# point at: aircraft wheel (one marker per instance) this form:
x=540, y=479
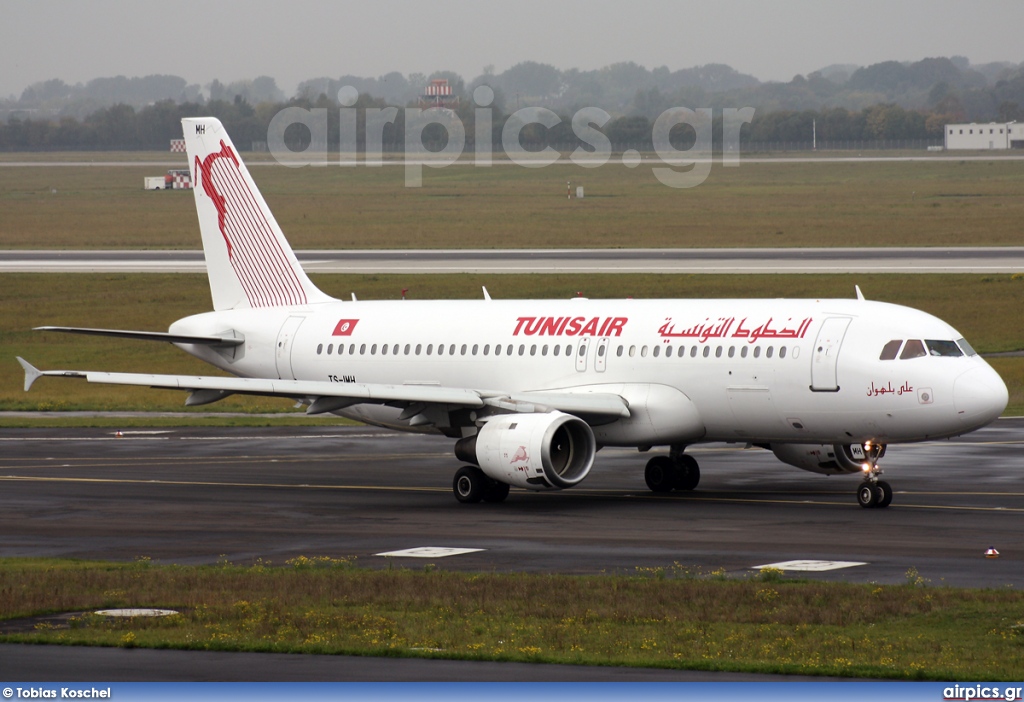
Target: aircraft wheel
x=866, y=495
x=687, y=473
x=469, y=484
x=883, y=494
x=660, y=474
x=495, y=491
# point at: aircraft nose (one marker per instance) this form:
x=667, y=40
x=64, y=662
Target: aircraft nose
x=979, y=396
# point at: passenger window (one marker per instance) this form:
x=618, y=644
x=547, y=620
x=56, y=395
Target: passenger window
x=643, y=351
x=362, y=349
x=407, y=347
x=707, y=351
x=632, y=351
x=768, y=352
x=451, y=350
x=463, y=350
x=757, y=352
x=394, y=350
x=600, y=351
x=508, y=351
x=522, y=349
x=943, y=348
x=430, y=349
x=619, y=350
x=693, y=352
x=373, y=350
x=319, y=349
x=668, y=351
x=914, y=348
x=384, y=350
x=718, y=352
x=656, y=351
x=568, y=350
x=487, y=349
x=890, y=350
x=419, y=347
x=743, y=351
x=497, y=349
x=782, y=352
x=544, y=350
x=440, y=349
x=732, y=351
x=341, y=349
x=533, y=349
x=554, y=351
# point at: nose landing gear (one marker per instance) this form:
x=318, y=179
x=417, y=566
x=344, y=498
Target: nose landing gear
x=873, y=492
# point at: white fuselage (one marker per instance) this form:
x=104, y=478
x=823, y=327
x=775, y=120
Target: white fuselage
x=797, y=371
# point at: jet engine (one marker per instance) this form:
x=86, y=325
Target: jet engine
x=826, y=459
x=550, y=451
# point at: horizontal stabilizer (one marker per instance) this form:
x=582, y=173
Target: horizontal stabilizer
x=151, y=336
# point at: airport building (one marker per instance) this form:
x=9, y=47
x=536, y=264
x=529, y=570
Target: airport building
x=995, y=135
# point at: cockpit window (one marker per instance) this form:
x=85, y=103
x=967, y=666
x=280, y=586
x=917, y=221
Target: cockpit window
x=966, y=348
x=913, y=349
x=890, y=350
x=943, y=348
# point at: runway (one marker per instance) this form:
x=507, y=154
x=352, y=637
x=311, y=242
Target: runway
x=984, y=260
x=202, y=495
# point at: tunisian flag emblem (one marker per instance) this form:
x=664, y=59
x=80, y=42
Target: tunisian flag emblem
x=345, y=327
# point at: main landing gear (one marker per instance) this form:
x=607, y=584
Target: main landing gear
x=472, y=485
x=873, y=492
x=677, y=471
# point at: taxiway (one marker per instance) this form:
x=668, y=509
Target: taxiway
x=204, y=494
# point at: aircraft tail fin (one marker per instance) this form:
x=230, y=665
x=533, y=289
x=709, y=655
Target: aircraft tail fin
x=248, y=259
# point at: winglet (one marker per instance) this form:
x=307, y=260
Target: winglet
x=860, y=295
x=31, y=373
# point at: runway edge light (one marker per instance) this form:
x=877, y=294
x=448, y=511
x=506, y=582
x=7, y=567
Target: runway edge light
x=991, y=553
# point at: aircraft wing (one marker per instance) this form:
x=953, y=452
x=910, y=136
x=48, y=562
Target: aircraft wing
x=325, y=396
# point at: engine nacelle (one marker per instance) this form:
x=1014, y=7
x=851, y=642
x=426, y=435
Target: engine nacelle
x=826, y=459
x=534, y=451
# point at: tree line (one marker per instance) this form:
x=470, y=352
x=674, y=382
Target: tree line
x=123, y=127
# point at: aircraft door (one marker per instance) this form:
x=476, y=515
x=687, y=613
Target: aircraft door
x=826, y=354
x=581, y=354
x=601, y=356
x=284, y=347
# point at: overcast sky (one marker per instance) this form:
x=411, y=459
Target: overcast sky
x=299, y=39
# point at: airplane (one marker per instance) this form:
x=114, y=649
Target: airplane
x=531, y=390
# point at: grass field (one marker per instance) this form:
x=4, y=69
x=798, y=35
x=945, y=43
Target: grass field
x=152, y=302
x=929, y=203
x=673, y=617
